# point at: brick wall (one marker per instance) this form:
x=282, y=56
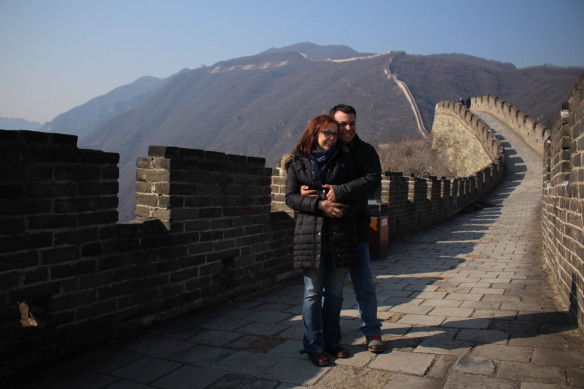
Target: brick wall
x=205, y=234
x=563, y=201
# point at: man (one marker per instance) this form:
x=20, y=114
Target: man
x=369, y=171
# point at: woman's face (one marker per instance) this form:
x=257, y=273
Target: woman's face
x=327, y=138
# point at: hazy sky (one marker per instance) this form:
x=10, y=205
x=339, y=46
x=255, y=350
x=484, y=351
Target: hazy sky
x=58, y=54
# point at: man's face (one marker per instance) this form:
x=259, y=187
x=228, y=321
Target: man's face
x=347, y=126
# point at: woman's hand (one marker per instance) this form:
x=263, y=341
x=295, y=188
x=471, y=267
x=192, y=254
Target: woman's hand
x=330, y=193
x=306, y=191
x=331, y=209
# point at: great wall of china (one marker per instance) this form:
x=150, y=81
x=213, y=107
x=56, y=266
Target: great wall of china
x=211, y=227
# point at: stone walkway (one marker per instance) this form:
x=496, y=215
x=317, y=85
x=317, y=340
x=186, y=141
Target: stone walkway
x=467, y=304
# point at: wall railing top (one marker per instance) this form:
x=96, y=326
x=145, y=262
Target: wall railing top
x=535, y=134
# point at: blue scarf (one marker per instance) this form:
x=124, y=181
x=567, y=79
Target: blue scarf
x=319, y=159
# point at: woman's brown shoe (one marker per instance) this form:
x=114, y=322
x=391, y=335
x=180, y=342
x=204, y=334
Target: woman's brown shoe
x=319, y=359
x=338, y=352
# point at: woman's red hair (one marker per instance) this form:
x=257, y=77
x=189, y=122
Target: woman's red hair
x=309, y=138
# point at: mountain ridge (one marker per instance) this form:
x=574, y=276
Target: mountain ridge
x=19, y=124
x=258, y=105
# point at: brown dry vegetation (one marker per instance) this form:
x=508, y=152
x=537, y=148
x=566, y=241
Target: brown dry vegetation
x=413, y=157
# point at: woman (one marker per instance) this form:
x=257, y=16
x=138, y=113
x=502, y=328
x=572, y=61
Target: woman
x=324, y=247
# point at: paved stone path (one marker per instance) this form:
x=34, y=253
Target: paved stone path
x=464, y=305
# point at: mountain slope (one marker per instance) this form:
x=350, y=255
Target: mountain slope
x=19, y=124
x=254, y=106
x=86, y=117
x=537, y=91
x=258, y=105
x=318, y=52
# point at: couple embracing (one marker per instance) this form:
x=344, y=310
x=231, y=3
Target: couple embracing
x=330, y=175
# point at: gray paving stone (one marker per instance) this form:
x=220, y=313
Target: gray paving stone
x=441, y=367
x=204, y=356
x=481, y=336
x=349, y=377
x=464, y=297
x=163, y=348
x=401, y=381
x=293, y=332
x=411, y=308
x=535, y=385
x=403, y=362
x=493, y=313
x=72, y=380
x=289, y=348
x=359, y=357
x=557, y=357
x=468, y=364
x=442, y=303
x=188, y=377
x=215, y=338
x=123, y=384
x=503, y=352
x=268, y=316
x=294, y=371
x=487, y=291
x=225, y=325
x=449, y=311
x=463, y=381
x=145, y=370
x=422, y=320
x=245, y=362
x=262, y=328
x=552, y=341
x=233, y=380
x=109, y=359
x=443, y=346
x=436, y=333
x=463, y=322
x=530, y=372
x=575, y=376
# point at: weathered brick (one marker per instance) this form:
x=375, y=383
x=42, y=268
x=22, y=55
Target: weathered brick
x=26, y=241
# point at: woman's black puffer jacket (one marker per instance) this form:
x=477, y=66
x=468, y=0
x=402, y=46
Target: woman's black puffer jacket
x=311, y=224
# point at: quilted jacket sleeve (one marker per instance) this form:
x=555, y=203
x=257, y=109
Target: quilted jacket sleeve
x=294, y=200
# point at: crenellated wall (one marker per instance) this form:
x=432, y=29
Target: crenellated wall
x=210, y=227
x=534, y=133
x=206, y=235
x=563, y=201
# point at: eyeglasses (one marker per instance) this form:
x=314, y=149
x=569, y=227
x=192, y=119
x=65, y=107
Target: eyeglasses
x=330, y=134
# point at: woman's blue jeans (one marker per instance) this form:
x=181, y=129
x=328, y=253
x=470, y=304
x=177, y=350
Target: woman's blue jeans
x=321, y=308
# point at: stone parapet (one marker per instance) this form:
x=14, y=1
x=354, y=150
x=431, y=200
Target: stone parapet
x=204, y=234
x=535, y=134
x=563, y=201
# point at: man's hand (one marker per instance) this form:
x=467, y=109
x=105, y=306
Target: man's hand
x=331, y=209
x=331, y=193
x=306, y=191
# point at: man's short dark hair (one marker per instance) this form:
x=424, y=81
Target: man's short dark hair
x=343, y=108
